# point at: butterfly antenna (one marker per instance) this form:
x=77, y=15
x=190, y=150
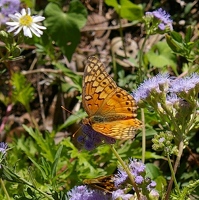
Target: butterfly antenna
x=71, y=113
x=66, y=109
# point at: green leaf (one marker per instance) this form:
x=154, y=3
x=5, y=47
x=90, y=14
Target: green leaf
x=126, y=9
x=176, y=36
x=64, y=28
x=188, y=35
x=160, y=55
x=55, y=163
x=44, y=143
x=72, y=119
x=22, y=90
x=43, y=173
x=77, y=79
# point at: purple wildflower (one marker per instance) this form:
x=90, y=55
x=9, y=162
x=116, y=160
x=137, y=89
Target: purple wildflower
x=164, y=17
x=154, y=194
x=158, y=84
x=83, y=193
x=120, y=177
x=9, y=7
x=185, y=84
x=137, y=167
x=91, y=138
x=151, y=185
x=172, y=99
x=3, y=147
x=162, y=139
x=120, y=194
x=139, y=179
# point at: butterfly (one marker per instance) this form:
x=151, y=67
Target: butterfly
x=111, y=110
x=104, y=183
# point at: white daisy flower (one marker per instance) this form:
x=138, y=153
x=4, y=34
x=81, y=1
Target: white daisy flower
x=26, y=22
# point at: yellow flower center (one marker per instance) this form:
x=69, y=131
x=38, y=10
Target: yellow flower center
x=26, y=20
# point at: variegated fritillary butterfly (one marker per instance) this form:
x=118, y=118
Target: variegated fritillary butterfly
x=111, y=110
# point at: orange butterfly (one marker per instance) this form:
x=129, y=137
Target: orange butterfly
x=111, y=110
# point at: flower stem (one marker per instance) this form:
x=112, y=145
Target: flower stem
x=173, y=171
x=143, y=136
x=126, y=168
x=4, y=189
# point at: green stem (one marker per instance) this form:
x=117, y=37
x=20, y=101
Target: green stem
x=141, y=73
x=143, y=136
x=131, y=177
x=122, y=36
x=173, y=170
x=4, y=189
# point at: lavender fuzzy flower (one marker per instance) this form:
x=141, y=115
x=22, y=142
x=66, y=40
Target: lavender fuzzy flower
x=8, y=7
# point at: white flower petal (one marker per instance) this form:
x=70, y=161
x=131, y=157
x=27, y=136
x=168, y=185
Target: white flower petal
x=17, y=31
x=38, y=18
x=27, y=32
x=36, y=32
x=12, y=28
x=23, y=12
x=38, y=26
x=29, y=12
x=12, y=23
x=14, y=17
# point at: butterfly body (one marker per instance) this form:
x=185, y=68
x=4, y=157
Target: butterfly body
x=111, y=110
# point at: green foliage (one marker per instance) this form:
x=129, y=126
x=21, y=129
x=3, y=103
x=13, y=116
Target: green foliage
x=126, y=9
x=64, y=28
x=183, y=46
x=160, y=56
x=11, y=48
x=23, y=92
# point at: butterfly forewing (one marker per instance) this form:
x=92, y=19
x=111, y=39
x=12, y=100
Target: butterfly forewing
x=111, y=110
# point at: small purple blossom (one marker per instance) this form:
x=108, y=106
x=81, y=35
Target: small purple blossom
x=137, y=167
x=164, y=17
x=91, y=138
x=83, y=193
x=158, y=84
x=172, y=99
x=154, y=194
x=121, y=194
x=120, y=177
x=185, y=84
x=151, y=185
x=8, y=7
x=139, y=179
x=3, y=147
x=162, y=139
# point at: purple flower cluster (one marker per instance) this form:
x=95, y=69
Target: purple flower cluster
x=170, y=88
x=120, y=194
x=83, y=193
x=3, y=147
x=91, y=138
x=185, y=84
x=8, y=7
x=138, y=170
x=157, y=84
x=164, y=18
